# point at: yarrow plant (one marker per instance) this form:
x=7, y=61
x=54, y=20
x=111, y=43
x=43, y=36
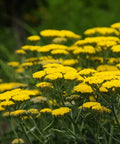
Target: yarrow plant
x=67, y=90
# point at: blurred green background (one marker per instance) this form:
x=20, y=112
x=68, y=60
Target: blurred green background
x=21, y=18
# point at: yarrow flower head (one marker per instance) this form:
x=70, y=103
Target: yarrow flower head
x=107, y=68
x=2, y=109
x=83, y=88
x=94, y=106
x=46, y=110
x=6, y=103
x=20, y=51
x=59, y=33
x=21, y=97
x=59, y=40
x=34, y=38
x=86, y=72
x=54, y=76
x=39, y=74
x=13, y=64
x=61, y=111
x=116, y=48
x=44, y=85
x=17, y=141
x=70, y=62
x=32, y=111
x=18, y=113
x=10, y=86
x=59, y=51
x=101, y=31
x=115, y=83
x=71, y=75
x=38, y=99
x=116, y=25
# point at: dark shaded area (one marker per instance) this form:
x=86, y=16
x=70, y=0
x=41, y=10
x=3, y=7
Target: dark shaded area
x=13, y=13
x=21, y=18
x=15, y=10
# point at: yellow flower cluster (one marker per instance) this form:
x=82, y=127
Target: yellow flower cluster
x=59, y=40
x=38, y=99
x=61, y=111
x=83, y=88
x=113, y=60
x=46, y=110
x=85, y=49
x=18, y=113
x=106, y=44
x=25, y=113
x=95, y=106
x=61, y=33
x=44, y=85
x=54, y=72
x=69, y=62
x=52, y=48
x=6, y=103
x=105, y=80
x=72, y=76
x=86, y=72
x=13, y=64
x=116, y=48
x=54, y=76
x=114, y=83
x=116, y=25
x=17, y=141
x=20, y=51
x=17, y=95
x=20, y=69
x=101, y=31
x=10, y=85
x=32, y=111
x=96, y=40
x=34, y=38
x=59, y=51
x=39, y=74
x=107, y=68
x=20, y=97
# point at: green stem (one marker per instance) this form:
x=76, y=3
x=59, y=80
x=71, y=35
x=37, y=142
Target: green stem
x=97, y=131
x=111, y=134
x=46, y=128
x=50, y=105
x=108, y=132
x=73, y=133
x=24, y=129
x=13, y=128
x=96, y=91
x=115, y=115
x=74, y=124
x=59, y=92
x=38, y=129
x=78, y=115
x=35, y=136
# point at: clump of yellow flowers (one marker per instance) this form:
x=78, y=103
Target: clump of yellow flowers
x=65, y=93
